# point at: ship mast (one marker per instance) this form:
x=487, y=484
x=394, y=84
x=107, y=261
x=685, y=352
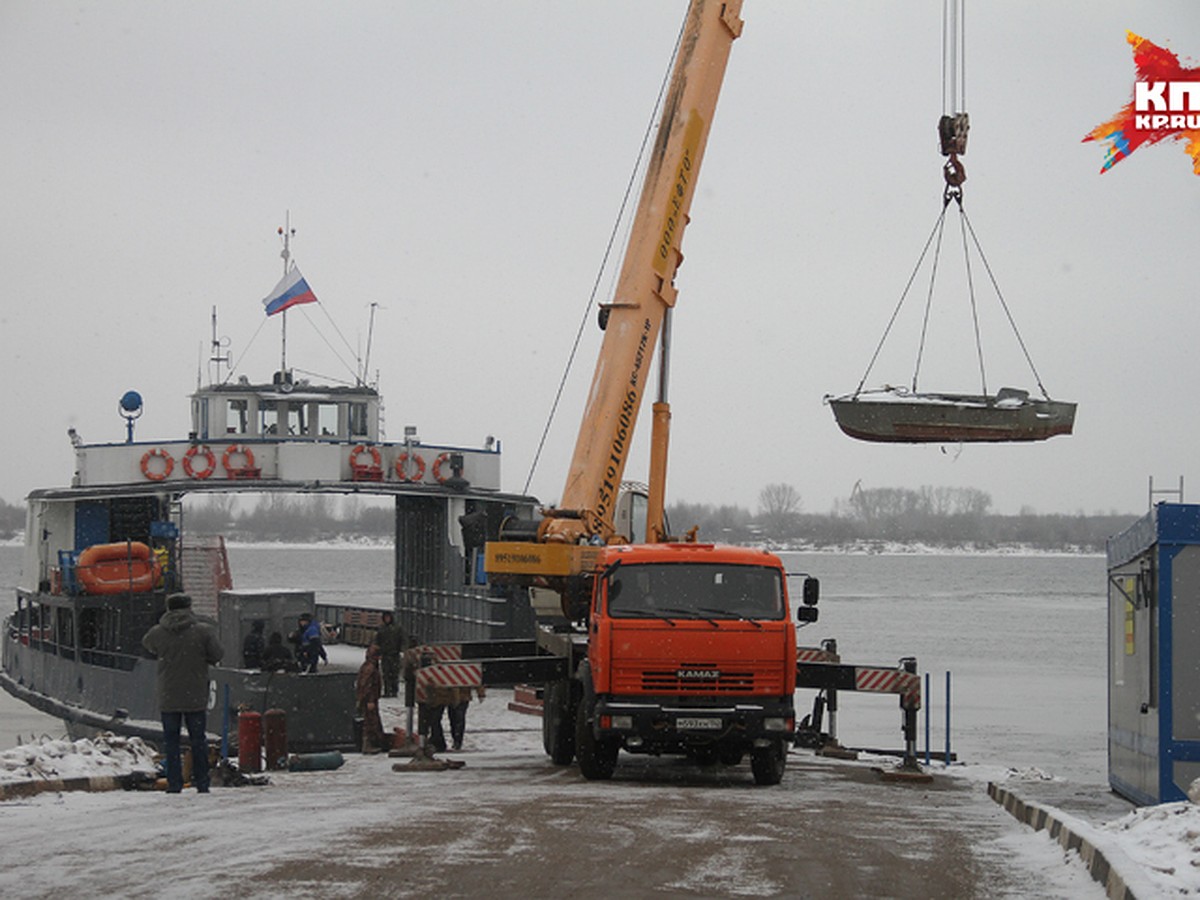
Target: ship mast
x=286, y=232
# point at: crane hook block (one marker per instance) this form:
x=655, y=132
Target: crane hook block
x=952, y=132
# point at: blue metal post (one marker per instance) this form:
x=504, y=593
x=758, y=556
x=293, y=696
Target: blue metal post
x=947, y=718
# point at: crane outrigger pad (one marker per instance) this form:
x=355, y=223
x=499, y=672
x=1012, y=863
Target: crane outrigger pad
x=897, y=415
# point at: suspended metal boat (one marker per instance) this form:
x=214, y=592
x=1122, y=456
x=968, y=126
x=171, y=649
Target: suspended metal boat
x=906, y=415
x=897, y=415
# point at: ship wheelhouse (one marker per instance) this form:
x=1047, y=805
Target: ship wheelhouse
x=285, y=410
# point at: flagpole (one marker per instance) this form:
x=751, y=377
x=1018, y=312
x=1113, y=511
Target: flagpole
x=287, y=231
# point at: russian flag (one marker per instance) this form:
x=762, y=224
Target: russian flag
x=292, y=290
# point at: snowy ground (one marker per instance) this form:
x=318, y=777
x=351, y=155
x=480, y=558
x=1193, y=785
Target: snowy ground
x=365, y=828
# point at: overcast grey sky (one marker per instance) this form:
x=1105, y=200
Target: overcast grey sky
x=461, y=164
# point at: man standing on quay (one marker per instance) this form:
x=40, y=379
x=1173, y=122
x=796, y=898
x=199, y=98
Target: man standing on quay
x=185, y=648
x=390, y=641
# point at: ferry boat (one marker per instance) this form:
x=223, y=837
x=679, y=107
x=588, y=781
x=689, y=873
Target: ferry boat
x=102, y=555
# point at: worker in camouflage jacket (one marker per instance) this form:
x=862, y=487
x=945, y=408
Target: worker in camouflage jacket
x=389, y=638
x=367, y=688
x=185, y=647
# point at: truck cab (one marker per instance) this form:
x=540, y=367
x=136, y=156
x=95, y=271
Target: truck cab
x=691, y=649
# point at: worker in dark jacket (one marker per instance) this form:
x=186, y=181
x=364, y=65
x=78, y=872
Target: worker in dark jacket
x=254, y=645
x=185, y=648
x=278, y=658
x=389, y=638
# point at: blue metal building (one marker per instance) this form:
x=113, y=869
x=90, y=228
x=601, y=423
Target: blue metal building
x=1154, y=655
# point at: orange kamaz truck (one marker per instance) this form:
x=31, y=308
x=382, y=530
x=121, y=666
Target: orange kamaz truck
x=690, y=649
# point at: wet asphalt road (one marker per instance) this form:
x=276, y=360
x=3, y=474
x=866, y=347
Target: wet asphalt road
x=512, y=824
x=662, y=828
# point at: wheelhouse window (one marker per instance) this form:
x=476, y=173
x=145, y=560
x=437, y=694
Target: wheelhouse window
x=326, y=419
x=358, y=420
x=237, y=417
x=268, y=418
x=296, y=420
x=695, y=590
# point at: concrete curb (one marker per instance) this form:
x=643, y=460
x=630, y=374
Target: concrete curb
x=1041, y=819
x=14, y=790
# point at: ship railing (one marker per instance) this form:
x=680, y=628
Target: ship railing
x=27, y=625
x=431, y=614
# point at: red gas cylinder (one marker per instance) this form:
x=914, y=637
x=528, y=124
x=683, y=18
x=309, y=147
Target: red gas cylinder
x=249, y=741
x=275, y=738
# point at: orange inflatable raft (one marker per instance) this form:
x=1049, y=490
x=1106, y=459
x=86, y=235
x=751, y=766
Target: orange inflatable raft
x=130, y=566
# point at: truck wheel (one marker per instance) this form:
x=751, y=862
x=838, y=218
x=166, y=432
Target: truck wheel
x=597, y=758
x=768, y=763
x=558, y=722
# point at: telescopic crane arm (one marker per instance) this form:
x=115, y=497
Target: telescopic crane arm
x=634, y=319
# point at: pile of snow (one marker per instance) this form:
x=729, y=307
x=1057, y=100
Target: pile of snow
x=108, y=754
x=1164, y=841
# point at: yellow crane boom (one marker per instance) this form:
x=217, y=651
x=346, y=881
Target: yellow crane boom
x=634, y=318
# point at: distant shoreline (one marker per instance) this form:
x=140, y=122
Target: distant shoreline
x=852, y=548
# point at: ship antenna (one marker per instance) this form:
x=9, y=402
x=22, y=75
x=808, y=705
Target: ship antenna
x=366, y=366
x=220, y=353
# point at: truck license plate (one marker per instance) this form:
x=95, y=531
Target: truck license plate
x=697, y=724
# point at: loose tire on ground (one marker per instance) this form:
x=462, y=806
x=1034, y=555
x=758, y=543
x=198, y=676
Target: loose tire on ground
x=768, y=763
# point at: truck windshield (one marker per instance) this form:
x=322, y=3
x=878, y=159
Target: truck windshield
x=695, y=590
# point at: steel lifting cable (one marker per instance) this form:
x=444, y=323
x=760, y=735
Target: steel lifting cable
x=952, y=130
x=966, y=228
x=1004, y=305
x=954, y=101
x=903, y=296
x=971, y=293
x=662, y=90
x=937, y=255
x=954, y=56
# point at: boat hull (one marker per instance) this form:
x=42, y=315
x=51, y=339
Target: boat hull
x=952, y=418
x=318, y=708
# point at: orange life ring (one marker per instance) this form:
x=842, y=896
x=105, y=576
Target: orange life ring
x=209, y=457
x=157, y=453
x=402, y=466
x=230, y=451
x=437, y=468
x=361, y=449
x=130, y=566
